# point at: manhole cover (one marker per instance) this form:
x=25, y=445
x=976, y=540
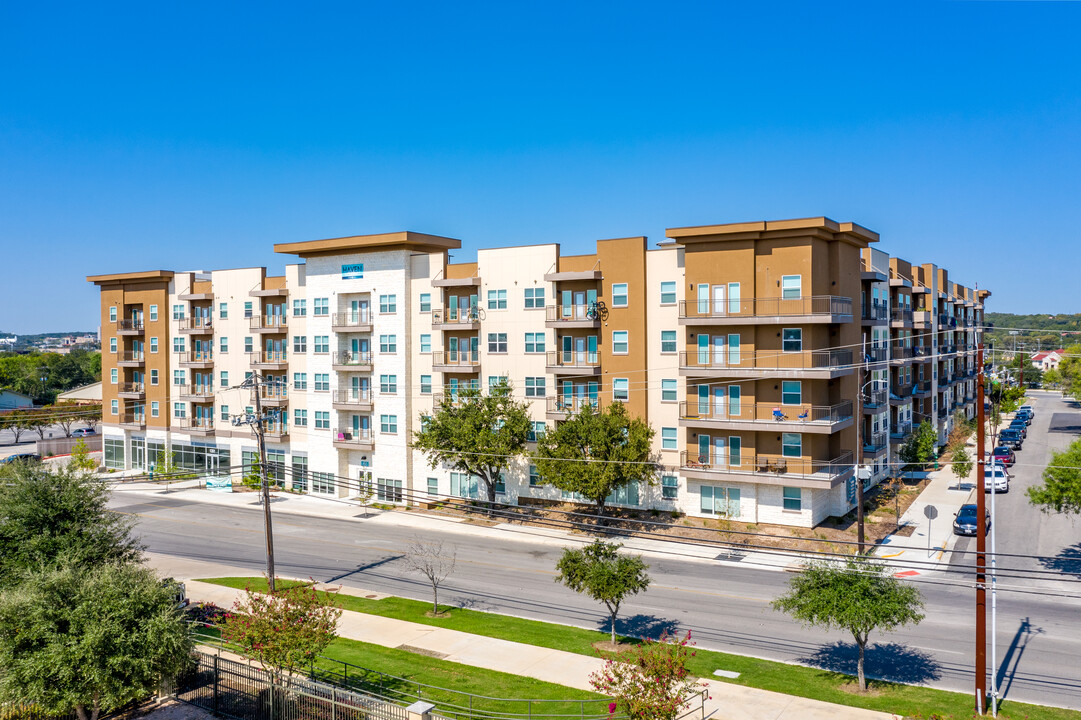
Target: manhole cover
x=371, y=596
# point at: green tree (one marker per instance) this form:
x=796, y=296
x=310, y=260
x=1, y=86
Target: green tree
x=649, y=681
x=615, y=447
x=961, y=464
x=919, y=446
x=859, y=597
x=1061, y=489
x=476, y=434
x=603, y=573
x=285, y=630
x=80, y=458
x=55, y=518
x=18, y=421
x=39, y=420
x=89, y=639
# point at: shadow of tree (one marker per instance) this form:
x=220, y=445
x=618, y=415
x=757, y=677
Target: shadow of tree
x=883, y=661
x=1068, y=560
x=640, y=626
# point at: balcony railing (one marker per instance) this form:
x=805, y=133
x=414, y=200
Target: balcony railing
x=800, y=467
x=807, y=306
x=268, y=322
x=922, y=387
x=134, y=419
x=273, y=393
x=357, y=396
x=268, y=357
x=586, y=313
x=455, y=316
x=901, y=315
x=573, y=359
x=722, y=359
x=275, y=430
x=921, y=351
x=901, y=352
x=900, y=392
x=132, y=388
x=350, y=438
x=203, y=424
x=136, y=357
x=875, y=398
x=197, y=323
x=351, y=359
x=196, y=357
x=130, y=326
x=572, y=404
x=203, y=390
x=456, y=358
x=875, y=312
x=875, y=441
x=766, y=412
x=875, y=354
x=358, y=321
x=899, y=431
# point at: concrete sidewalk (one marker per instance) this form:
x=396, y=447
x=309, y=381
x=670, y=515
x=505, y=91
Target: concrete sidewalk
x=727, y=701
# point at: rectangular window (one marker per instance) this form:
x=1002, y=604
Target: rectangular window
x=153, y=344
x=791, y=445
x=114, y=407
x=791, y=392
x=719, y=501
x=668, y=438
x=112, y=345
x=114, y=376
x=178, y=344
x=154, y=408
x=668, y=390
x=300, y=343
x=791, y=286
x=619, y=295
x=534, y=477
x=388, y=384
x=433, y=487
x=224, y=410
x=112, y=313
x=178, y=377
x=425, y=302
x=223, y=311
x=249, y=346
x=154, y=377
x=321, y=307
x=537, y=431
x=535, y=386
x=425, y=384
x=322, y=382
x=425, y=342
x=388, y=490
x=668, y=341
x=388, y=424
x=322, y=420
x=534, y=342
x=114, y=453
x=300, y=381
x=620, y=342
x=534, y=298
x=668, y=293
x=153, y=312
x=497, y=299
x=300, y=473
x=180, y=410
x=178, y=312
x=620, y=389
x=388, y=303
x=247, y=309
x=323, y=482
x=321, y=343
x=300, y=417
x=792, y=340
x=223, y=343
x=223, y=377
x=497, y=342
x=792, y=499
x=300, y=309
x=388, y=343
x=669, y=487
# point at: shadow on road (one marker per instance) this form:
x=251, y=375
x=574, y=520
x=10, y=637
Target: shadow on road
x=1068, y=560
x=892, y=662
x=361, y=568
x=1025, y=633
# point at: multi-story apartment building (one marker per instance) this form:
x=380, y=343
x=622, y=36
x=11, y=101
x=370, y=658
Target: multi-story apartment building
x=769, y=358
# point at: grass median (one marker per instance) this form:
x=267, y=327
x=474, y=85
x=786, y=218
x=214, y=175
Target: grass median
x=907, y=700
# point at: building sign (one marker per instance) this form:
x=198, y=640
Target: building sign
x=353, y=272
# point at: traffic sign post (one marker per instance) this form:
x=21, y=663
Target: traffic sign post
x=930, y=512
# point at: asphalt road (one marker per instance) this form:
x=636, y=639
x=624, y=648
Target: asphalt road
x=726, y=606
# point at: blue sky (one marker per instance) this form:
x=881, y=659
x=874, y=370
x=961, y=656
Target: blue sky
x=196, y=135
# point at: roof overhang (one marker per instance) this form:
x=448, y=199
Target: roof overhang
x=821, y=226
x=132, y=277
x=361, y=243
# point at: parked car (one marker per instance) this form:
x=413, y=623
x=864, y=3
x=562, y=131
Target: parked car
x=1019, y=426
x=1026, y=416
x=1011, y=439
x=1027, y=408
x=20, y=457
x=965, y=520
x=1004, y=456
x=83, y=432
x=995, y=476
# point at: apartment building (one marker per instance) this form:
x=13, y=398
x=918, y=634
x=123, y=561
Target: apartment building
x=769, y=357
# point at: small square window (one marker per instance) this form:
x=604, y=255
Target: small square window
x=112, y=345
x=321, y=343
x=388, y=304
x=322, y=382
x=791, y=287
x=619, y=295
x=534, y=298
x=668, y=438
x=388, y=384
x=668, y=292
x=388, y=424
x=300, y=343
x=535, y=386
x=534, y=476
x=792, y=498
x=153, y=377
x=534, y=342
x=792, y=340
x=249, y=345
x=300, y=308
x=668, y=341
x=114, y=407
x=668, y=390
x=322, y=420
x=300, y=381
x=300, y=417
x=321, y=307
x=497, y=299
x=497, y=342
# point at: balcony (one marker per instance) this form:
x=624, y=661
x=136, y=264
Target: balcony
x=133, y=420
x=922, y=353
x=456, y=361
x=358, y=400
x=875, y=314
x=129, y=327
x=559, y=407
x=269, y=360
x=455, y=319
x=572, y=316
x=202, y=393
x=874, y=355
x=900, y=394
x=275, y=324
x=900, y=317
x=921, y=318
x=921, y=389
x=349, y=439
x=272, y=292
x=273, y=395
x=809, y=364
x=199, y=325
x=573, y=276
x=196, y=425
x=900, y=431
x=573, y=363
x=130, y=359
x=823, y=419
x=875, y=443
x=900, y=354
x=196, y=359
x=356, y=322
x=766, y=311
x=131, y=390
x=875, y=400
x=351, y=362
x=768, y=469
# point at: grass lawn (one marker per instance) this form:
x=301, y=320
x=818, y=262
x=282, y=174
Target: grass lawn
x=907, y=700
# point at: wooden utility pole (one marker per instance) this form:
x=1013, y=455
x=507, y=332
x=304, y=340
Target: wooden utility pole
x=255, y=382
x=981, y=544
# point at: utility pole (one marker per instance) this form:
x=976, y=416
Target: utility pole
x=981, y=545
x=255, y=382
x=859, y=444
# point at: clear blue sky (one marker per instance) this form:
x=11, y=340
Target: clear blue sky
x=196, y=135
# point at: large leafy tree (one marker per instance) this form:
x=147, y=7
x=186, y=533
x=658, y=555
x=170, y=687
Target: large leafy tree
x=859, y=597
x=1061, y=489
x=603, y=573
x=51, y=519
x=89, y=640
x=594, y=453
x=476, y=433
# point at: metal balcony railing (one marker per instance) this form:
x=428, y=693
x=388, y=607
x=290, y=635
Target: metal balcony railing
x=901, y=352
x=898, y=431
x=767, y=464
x=573, y=359
x=875, y=442
x=453, y=315
x=196, y=356
x=462, y=358
x=876, y=398
x=197, y=424
x=132, y=325
x=132, y=418
x=901, y=315
x=132, y=387
x=198, y=390
x=268, y=322
x=268, y=357
x=875, y=354
x=768, y=412
x=810, y=305
x=571, y=404
x=197, y=322
x=572, y=313
x=726, y=358
x=358, y=396
x=875, y=312
x=353, y=436
x=273, y=392
x=351, y=319
x=131, y=356
x=348, y=358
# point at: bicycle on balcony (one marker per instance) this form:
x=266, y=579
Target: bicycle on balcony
x=597, y=311
x=475, y=313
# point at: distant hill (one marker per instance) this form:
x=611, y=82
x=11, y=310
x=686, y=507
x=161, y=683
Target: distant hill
x=1044, y=331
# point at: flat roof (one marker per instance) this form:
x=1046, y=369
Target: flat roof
x=766, y=226
x=333, y=246
x=131, y=277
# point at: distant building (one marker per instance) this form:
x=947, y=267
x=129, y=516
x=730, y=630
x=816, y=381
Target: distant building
x=1048, y=359
x=86, y=394
x=9, y=342
x=11, y=400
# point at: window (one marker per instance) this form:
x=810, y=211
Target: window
x=626, y=495
x=114, y=407
x=300, y=472
x=790, y=287
x=388, y=384
x=433, y=486
x=537, y=431
x=224, y=410
x=114, y=453
x=388, y=490
x=497, y=342
x=321, y=307
x=719, y=501
x=323, y=482
x=178, y=377
x=534, y=298
x=791, y=444
x=791, y=392
x=668, y=438
x=247, y=309
x=425, y=342
x=669, y=487
x=223, y=343
x=154, y=408
x=322, y=420
x=112, y=345
x=620, y=342
x=248, y=346
x=620, y=389
x=534, y=477
x=388, y=303
x=497, y=299
x=534, y=342
x=668, y=390
x=322, y=382
x=300, y=309
x=497, y=383
x=534, y=386
x=425, y=384
x=668, y=341
x=180, y=410
x=464, y=485
x=321, y=343
x=300, y=343
x=619, y=295
x=178, y=312
x=223, y=311
x=668, y=293
x=388, y=343
x=300, y=417
x=792, y=340
x=178, y=344
x=112, y=313
x=388, y=423
x=154, y=377
x=114, y=376
x=300, y=381
x=791, y=499
x=426, y=306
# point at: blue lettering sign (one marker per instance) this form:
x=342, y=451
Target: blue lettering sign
x=353, y=272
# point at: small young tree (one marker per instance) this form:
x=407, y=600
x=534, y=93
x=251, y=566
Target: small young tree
x=1061, y=489
x=961, y=464
x=859, y=596
x=919, y=447
x=285, y=630
x=39, y=421
x=80, y=458
x=433, y=561
x=606, y=575
x=65, y=418
x=649, y=681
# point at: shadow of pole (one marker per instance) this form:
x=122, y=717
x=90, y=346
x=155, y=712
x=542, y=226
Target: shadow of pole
x=1025, y=633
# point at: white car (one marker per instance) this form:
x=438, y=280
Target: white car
x=83, y=432
x=995, y=476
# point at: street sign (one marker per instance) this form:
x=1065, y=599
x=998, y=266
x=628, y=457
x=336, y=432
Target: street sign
x=930, y=512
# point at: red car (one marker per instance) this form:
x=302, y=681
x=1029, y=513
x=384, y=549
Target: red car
x=1004, y=455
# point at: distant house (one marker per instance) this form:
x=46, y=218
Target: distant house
x=1048, y=359
x=11, y=400
x=86, y=394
